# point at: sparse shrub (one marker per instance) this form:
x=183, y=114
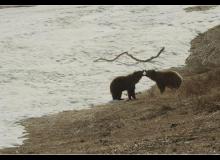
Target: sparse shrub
x=192, y=88
x=206, y=103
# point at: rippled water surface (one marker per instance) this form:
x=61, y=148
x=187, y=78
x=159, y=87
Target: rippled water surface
x=47, y=53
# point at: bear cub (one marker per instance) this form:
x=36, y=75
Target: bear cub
x=122, y=83
x=163, y=79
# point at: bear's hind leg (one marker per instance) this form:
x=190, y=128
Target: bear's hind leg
x=117, y=96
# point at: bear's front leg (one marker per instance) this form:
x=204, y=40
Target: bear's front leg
x=131, y=93
x=161, y=87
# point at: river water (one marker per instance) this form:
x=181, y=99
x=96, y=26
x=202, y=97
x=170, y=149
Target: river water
x=47, y=54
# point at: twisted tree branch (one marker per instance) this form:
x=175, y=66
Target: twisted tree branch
x=131, y=56
x=110, y=60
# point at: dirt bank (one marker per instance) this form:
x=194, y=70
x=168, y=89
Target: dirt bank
x=153, y=124
x=199, y=8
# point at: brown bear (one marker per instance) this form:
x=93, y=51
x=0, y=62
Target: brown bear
x=122, y=83
x=163, y=79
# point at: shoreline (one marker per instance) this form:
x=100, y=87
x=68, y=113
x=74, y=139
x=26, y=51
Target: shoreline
x=153, y=124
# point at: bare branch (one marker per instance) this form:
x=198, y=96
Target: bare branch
x=149, y=59
x=110, y=60
x=131, y=56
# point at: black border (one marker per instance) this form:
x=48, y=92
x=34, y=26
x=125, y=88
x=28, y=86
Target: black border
x=104, y=2
x=109, y=2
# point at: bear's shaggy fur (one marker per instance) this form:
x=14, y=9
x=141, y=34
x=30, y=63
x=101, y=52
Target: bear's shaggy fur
x=163, y=79
x=121, y=83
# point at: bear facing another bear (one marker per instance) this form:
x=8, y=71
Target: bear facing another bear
x=163, y=79
x=122, y=83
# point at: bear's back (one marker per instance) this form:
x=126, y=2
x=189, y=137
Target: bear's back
x=171, y=79
x=119, y=83
x=122, y=83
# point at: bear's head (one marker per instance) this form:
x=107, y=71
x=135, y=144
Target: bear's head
x=137, y=75
x=150, y=74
